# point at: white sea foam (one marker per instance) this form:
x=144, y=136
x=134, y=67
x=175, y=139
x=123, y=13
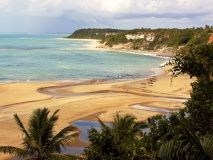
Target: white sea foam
x=157, y=71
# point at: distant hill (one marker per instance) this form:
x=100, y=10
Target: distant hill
x=147, y=39
x=94, y=33
x=153, y=39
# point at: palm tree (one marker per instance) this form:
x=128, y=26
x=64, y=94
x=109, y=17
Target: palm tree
x=125, y=127
x=39, y=141
x=120, y=140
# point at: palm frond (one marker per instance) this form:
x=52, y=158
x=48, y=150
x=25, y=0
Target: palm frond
x=190, y=133
x=37, y=124
x=153, y=155
x=138, y=126
x=32, y=147
x=207, y=144
x=14, y=151
x=62, y=138
x=21, y=126
x=63, y=142
x=103, y=125
x=41, y=127
x=54, y=116
x=39, y=139
x=48, y=131
x=166, y=150
x=52, y=120
x=58, y=156
x=141, y=124
x=126, y=127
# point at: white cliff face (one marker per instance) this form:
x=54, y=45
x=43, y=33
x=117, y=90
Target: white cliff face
x=110, y=34
x=148, y=37
x=141, y=46
x=135, y=36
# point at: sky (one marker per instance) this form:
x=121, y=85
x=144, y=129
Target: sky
x=65, y=16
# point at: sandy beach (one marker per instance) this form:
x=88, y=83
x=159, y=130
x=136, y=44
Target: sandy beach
x=95, y=44
x=84, y=100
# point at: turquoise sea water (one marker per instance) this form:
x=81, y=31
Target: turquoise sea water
x=26, y=57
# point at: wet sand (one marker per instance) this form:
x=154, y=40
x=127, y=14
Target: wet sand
x=85, y=100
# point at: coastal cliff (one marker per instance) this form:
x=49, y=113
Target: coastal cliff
x=158, y=41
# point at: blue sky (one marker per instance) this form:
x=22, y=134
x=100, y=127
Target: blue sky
x=65, y=16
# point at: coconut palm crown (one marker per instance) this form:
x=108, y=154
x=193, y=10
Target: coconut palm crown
x=125, y=126
x=117, y=140
x=40, y=141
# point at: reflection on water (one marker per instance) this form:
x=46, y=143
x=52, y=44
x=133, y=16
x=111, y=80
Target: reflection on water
x=84, y=125
x=166, y=112
x=77, y=151
x=176, y=99
x=153, y=109
x=55, y=92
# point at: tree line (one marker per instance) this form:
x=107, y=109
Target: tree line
x=162, y=37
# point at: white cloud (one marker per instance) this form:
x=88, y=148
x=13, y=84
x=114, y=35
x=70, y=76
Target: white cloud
x=94, y=12
x=106, y=7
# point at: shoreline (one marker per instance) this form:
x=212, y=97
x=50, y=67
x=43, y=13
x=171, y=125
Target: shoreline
x=157, y=72
x=97, y=97
x=96, y=45
x=83, y=100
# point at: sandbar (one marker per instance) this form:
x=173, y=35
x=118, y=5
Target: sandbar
x=87, y=100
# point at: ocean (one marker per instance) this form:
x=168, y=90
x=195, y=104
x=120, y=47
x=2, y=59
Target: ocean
x=47, y=57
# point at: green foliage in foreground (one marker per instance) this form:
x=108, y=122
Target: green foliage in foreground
x=197, y=61
x=187, y=135
x=188, y=146
x=193, y=136
x=120, y=141
x=40, y=141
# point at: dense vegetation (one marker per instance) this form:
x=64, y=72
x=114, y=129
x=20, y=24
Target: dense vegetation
x=119, y=141
x=94, y=33
x=161, y=37
x=187, y=135
x=148, y=39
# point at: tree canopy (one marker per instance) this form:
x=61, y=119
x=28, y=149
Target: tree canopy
x=187, y=135
x=193, y=136
x=119, y=141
